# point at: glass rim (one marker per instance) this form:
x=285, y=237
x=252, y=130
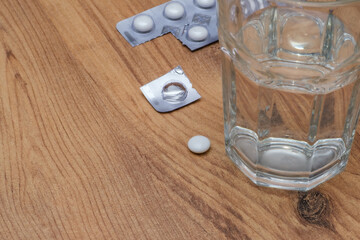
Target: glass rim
x=319, y=3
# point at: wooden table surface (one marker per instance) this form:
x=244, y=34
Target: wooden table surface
x=83, y=155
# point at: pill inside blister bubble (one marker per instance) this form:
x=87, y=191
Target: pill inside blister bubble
x=198, y=33
x=205, y=3
x=173, y=17
x=174, y=11
x=143, y=23
x=174, y=92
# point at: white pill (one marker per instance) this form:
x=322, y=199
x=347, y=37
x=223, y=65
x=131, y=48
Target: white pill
x=199, y=144
x=198, y=33
x=143, y=23
x=174, y=11
x=205, y=3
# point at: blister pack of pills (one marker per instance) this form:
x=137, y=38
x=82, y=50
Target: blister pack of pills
x=193, y=22
x=171, y=91
x=201, y=28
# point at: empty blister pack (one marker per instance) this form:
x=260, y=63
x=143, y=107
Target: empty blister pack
x=193, y=22
x=170, y=92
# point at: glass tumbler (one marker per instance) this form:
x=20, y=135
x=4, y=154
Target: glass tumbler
x=291, y=95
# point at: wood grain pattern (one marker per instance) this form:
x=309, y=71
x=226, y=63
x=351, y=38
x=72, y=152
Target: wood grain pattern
x=83, y=155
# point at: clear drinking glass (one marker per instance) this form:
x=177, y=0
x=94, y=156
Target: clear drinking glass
x=290, y=88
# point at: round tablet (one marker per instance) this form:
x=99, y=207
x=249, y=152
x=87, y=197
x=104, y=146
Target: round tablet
x=143, y=23
x=199, y=144
x=198, y=33
x=174, y=11
x=205, y=3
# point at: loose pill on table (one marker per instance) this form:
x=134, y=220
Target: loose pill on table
x=143, y=23
x=205, y=3
x=174, y=11
x=199, y=144
x=198, y=33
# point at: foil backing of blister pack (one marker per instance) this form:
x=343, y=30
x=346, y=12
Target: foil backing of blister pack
x=171, y=91
x=194, y=16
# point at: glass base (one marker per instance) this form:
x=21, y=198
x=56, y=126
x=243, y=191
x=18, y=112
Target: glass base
x=284, y=182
